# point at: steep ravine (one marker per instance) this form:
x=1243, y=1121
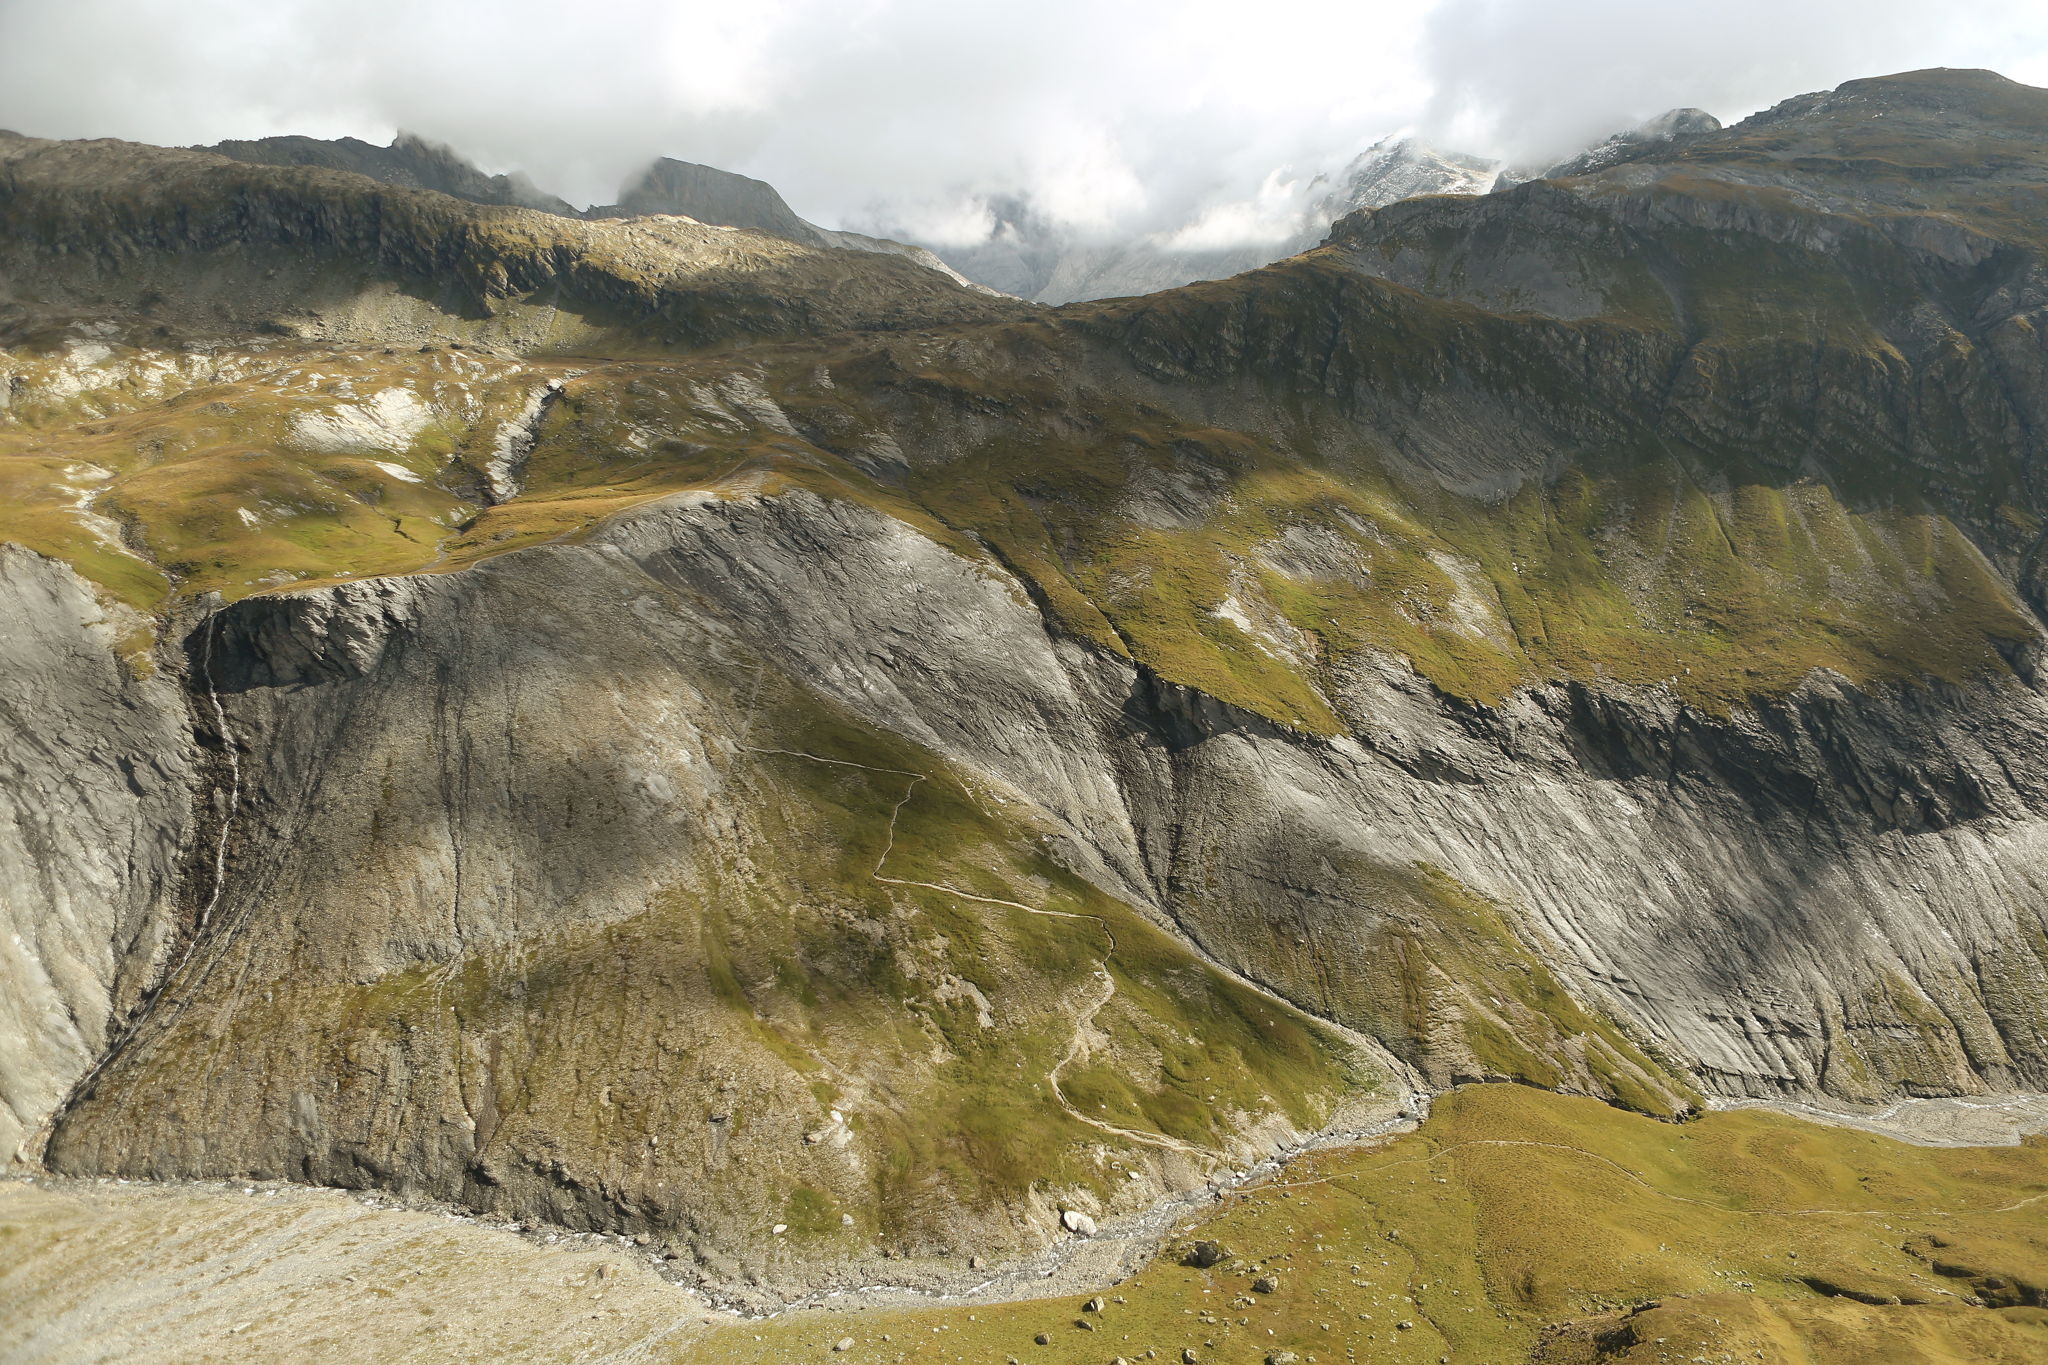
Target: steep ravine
x=502, y=862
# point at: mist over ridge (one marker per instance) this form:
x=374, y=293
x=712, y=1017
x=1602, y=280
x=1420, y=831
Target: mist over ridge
x=918, y=119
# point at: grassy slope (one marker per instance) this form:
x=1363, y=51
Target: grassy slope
x=1639, y=572
x=1514, y=1212
x=215, y=485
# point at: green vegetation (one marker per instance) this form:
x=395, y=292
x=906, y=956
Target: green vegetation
x=1254, y=564
x=1518, y=1225
x=1764, y=445
x=1642, y=570
x=300, y=466
x=1434, y=971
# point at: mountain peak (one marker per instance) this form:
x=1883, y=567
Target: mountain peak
x=1673, y=125
x=1403, y=167
x=709, y=195
x=1954, y=81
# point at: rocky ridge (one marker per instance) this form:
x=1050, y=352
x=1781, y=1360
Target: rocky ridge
x=200, y=243
x=410, y=160
x=667, y=188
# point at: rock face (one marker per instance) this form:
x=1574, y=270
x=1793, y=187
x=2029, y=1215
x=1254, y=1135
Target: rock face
x=588, y=943
x=96, y=779
x=870, y=792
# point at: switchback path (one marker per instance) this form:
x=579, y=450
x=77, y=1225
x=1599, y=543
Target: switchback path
x=1083, y=1022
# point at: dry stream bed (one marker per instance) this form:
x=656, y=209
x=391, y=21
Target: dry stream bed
x=1512, y=1220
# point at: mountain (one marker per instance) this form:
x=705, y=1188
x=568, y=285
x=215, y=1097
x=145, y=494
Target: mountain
x=196, y=240
x=808, y=778
x=668, y=188
x=1646, y=139
x=1397, y=169
x=1033, y=258
x=410, y=161
x=721, y=197
x=711, y=196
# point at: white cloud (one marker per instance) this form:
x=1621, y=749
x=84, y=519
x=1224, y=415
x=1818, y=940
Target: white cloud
x=1278, y=212
x=1538, y=79
x=1112, y=117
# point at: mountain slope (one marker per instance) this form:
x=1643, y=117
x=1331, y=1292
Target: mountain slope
x=1586, y=635
x=201, y=242
x=720, y=197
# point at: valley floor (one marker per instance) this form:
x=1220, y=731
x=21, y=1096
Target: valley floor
x=1514, y=1224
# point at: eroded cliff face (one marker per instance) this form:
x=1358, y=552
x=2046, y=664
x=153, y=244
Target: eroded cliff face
x=97, y=779
x=552, y=891
x=894, y=786
x=598, y=884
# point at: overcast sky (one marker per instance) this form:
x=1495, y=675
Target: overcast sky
x=1114, y=117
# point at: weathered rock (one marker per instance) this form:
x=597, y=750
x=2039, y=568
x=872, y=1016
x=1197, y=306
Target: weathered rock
x=97, y=775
